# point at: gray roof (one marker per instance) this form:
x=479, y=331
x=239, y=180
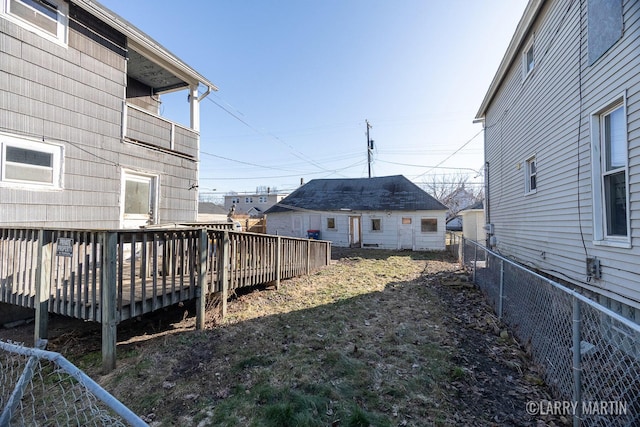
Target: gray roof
x=386, y=193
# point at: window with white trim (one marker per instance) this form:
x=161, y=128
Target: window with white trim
x=248, y=199
x=531, y=175
x=610, y=173
x=528, y=60
x=48, y=18
x=331, y=223
x=263, y=199
x=30, y=163
x=376, y=224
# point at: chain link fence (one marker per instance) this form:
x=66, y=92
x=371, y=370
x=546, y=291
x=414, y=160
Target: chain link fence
x=42, y=388
x=590, y=355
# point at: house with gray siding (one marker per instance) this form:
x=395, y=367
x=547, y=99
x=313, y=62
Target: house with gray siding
x=82, y=140
x=562, y=147
x=387, y=212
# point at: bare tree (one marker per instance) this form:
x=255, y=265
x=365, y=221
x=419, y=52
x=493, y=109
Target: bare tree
x=455, y=191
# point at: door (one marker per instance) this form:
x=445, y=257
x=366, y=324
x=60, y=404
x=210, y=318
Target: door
x=139, y=196
x=354, y=232
x=405, y=233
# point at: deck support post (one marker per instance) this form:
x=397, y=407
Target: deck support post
x=278, y=260
x=43, y=286
x=108, y=300
x=224, y=281
x=203, y=289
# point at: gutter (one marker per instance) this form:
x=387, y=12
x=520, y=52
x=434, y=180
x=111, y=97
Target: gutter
x=523, y=29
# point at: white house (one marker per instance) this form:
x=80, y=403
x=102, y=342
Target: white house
x=562, y=147
x=252, y=204
x=385, y=212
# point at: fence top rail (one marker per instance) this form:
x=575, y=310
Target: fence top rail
x=630, y=324
x=71, y=370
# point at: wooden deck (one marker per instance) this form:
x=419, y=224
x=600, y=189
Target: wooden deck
x=111, y=276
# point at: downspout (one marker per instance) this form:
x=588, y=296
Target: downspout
x=487, y=211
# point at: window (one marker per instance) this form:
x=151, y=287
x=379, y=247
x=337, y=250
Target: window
x=235, y=200
x=406, y=221
x=376, y=224
x=262, y=199
x=429, y=225
x=604, y=27
x=46, y=17
x=331, y=223
x=248, y=199
x=610, y=170
x=531, y=170
x=30, y=163
x=528, y=60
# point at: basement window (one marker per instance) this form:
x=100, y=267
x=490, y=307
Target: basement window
x=48, y=18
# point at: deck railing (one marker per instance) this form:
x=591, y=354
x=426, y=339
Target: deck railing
x=111, y=276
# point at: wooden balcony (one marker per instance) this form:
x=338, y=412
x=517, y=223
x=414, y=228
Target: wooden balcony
x=143, y=127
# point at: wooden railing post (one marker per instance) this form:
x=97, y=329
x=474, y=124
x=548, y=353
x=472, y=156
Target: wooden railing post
x=308, y=266
x=108, y=300
x=203, y=290
x=43, y=285
x=224, y=282
x=278, y=260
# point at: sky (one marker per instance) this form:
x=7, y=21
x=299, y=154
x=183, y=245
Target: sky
x=299, y=80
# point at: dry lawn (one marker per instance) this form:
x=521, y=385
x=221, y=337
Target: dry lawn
x=378, y=338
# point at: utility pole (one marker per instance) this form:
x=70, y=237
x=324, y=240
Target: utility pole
x=369, y=147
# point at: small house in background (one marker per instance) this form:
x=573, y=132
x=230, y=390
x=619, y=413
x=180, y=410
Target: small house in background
x=253, y=205
x=473, y=222
x=210, y=212
x=387, y=212
x=83, y=143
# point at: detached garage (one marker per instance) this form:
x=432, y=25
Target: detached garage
x=387, y=212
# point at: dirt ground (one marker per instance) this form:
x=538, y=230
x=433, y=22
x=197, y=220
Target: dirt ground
x=380, y=313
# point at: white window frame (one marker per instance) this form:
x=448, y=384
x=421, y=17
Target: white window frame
x=62, y=21
x=379, y=219
x=335, y=225
x=262, y=199
x=248, y=199
x=57, y=156
x=530, y=173
x=598, y=152
x=528, y=67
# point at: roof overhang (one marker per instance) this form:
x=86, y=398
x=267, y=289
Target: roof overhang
x=520, y=36
x=149, y=62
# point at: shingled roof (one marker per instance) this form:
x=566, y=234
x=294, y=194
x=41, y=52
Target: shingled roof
x=385, y=193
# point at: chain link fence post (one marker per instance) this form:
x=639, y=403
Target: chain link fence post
x=577, y=368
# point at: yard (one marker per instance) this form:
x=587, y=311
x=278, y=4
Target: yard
x=379, y=338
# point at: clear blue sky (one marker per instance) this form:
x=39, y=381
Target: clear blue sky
x=298, y=79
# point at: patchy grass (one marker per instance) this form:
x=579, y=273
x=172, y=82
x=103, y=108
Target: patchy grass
x=379, y=338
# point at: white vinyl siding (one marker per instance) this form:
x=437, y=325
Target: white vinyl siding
x=556, y=230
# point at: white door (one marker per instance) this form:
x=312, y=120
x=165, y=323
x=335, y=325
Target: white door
x=354, y=232
x=405, y=233
x=139, y=196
